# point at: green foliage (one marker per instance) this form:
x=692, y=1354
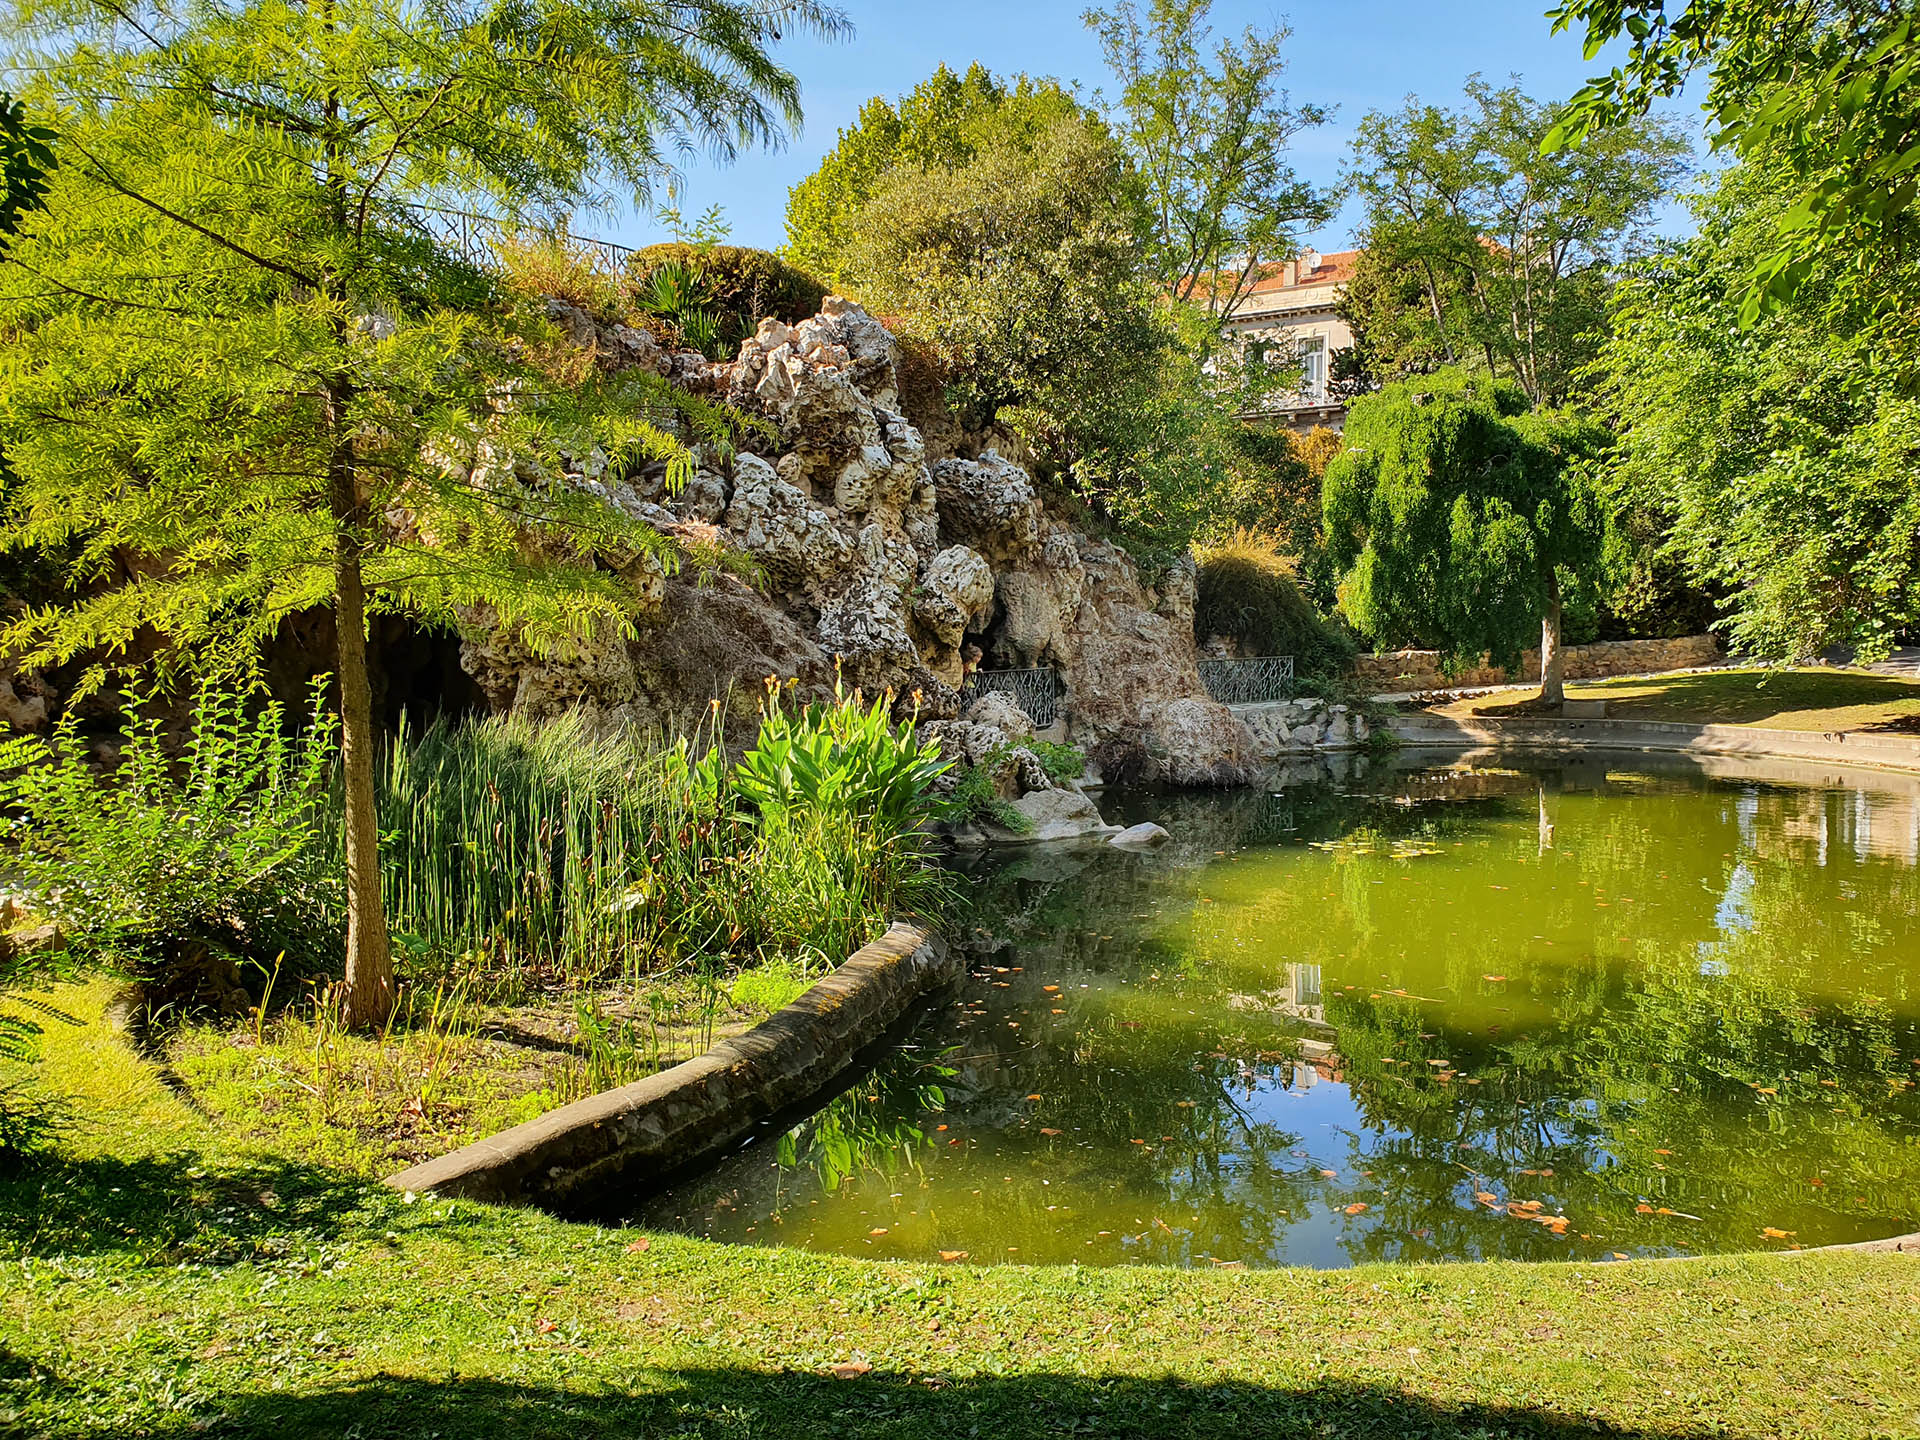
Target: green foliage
x=215, y=848
x=1248, y=593
x=732, y=287
x=975, y=794
x=1062, y=762
x=1456, y=515
x=545, y=263
x=1209, y=128
x=518, y=850
x=846, y=756
x=26, y=158
x=1478, y=250
x=1775, y=462
x=941, y=124
x=1818, y=90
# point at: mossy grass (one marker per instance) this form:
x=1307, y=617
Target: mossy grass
x=171, y=1276
x=1809, y=698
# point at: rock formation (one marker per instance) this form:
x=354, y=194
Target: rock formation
x=893, y=564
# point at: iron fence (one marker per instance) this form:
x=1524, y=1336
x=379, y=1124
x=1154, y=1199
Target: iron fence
x=1036, y=691
x=475, y=237
x=1248, y=682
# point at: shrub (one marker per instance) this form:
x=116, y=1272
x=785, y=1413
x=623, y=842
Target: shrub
x=1248, y=593
x=847, y=756
x=551, y=263
x=218, y=849
x=738, y=287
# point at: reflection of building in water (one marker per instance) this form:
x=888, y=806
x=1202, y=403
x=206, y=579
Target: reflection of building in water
x=1818, y=826
x=1300, y=995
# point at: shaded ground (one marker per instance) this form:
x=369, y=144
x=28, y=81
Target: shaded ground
x=167, y=1277
x=1810, y=699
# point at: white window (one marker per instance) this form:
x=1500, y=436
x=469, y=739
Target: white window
x=1313, y=366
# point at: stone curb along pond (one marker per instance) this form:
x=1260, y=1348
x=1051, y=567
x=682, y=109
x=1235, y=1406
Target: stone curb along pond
x=572, y=1155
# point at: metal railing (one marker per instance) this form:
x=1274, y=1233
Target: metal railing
x=474, y=238
x=1248, y=682
x=1036, y=691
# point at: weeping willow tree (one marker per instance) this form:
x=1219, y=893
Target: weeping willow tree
x=1458, y=515
x=247, y=373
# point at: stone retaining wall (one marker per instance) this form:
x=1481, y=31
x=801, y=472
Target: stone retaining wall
x=652, y=1127
x=1297, y=727
x=1398, y=671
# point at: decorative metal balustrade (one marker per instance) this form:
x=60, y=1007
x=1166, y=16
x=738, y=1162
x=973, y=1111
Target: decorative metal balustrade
x=1035, y=691
x=1248, y=682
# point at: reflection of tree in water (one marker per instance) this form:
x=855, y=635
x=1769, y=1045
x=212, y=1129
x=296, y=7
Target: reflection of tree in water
x=1696, y=1003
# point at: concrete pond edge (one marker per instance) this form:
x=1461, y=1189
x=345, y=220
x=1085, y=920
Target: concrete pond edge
x=691, y=1112
x=1839, y=747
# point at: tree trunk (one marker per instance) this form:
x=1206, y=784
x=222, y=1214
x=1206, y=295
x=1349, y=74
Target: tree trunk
x=369, y=955
x=1553, y=690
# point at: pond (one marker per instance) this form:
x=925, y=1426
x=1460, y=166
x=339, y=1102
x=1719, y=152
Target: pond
x=1600, y=1008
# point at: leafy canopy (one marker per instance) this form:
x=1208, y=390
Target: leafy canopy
x=939, y=125
x=1820, y=88
x=1478, y=250
x=1455, y=513
x=1208, y=128
x=1778, y=461
x=239, y=299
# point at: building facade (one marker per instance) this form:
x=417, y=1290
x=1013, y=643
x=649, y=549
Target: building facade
x=1291, y=316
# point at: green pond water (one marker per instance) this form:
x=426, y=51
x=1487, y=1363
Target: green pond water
x=1569, y=1010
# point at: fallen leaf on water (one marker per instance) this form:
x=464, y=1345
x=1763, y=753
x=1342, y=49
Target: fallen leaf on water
x=850, y=1369
x=1619, y=1254
x=1328, y=1174
x=953, y=1254
x=1643, y=1209
x=1033, y=1097
x=1184, y=1104
x=1050, y=988
x=546, y=1327
x=1355, y=1208
x=1045, y=1131
x=1487, y=1197
x=1663, y=1152
x=1496, y=979
x=878, y=1230
x=939, y=1127
x=640, y=1246
x=954, y=1141
x=1136, y=1142
x=1772, y=1234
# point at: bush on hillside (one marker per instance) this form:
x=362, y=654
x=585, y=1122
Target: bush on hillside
x=737, y=286
x=1248, y=594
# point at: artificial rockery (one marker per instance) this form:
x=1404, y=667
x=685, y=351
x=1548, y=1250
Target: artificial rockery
x=899, y=560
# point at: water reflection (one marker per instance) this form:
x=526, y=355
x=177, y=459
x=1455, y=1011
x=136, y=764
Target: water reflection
x=1580, y=1008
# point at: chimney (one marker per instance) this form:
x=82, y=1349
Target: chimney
x=1309, y=261
x=1290, y=273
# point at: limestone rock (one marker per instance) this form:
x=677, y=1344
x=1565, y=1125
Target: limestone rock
x=989, y=503
x=1144, y=836
x=1179, y=592
x=866, y=628
x=956, y=594
x=1001, y=711
x=1054, y=815
x=1200, y=742
x=795, y=541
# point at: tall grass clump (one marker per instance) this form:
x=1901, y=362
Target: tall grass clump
x=515, y=849
x=1248, y=594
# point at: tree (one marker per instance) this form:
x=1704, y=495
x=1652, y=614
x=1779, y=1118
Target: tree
x=1817, y=88
x=246, y=379
x=1209, y=128
x=1480, y=251
x=1777, y=461
x=1457, y=514
x=939, y=125
x=26, y=160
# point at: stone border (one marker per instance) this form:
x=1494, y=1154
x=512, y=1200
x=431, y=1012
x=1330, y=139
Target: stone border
x=695, y=1109
x=1843, y=747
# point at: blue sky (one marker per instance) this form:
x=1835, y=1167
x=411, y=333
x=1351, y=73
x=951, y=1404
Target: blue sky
x=1356, y=56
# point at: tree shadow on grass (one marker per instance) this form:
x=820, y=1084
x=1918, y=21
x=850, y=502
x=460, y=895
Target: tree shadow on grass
x=172, y=1208
x=748, y=1405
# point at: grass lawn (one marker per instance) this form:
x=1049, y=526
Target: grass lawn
x=1809, y=699
x=166, y=1277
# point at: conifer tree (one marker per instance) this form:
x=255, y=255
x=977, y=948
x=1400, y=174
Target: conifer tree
x=246, y=372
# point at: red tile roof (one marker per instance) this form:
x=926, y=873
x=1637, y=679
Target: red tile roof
x=1334, y=269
